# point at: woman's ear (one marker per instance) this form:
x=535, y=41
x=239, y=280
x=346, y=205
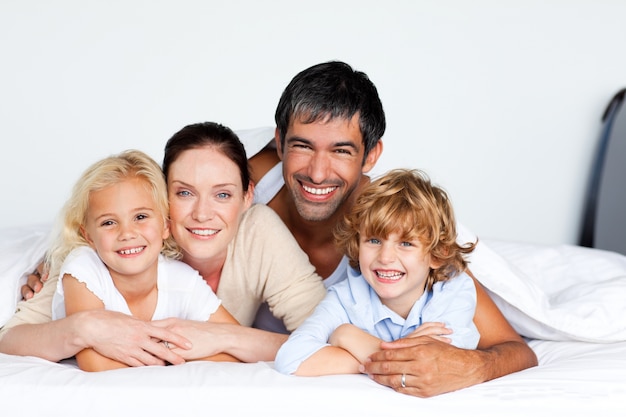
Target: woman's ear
x=249, y=195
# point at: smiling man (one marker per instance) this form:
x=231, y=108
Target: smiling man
x=329, y=125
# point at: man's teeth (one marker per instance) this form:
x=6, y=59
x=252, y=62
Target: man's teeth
x=203, y=232
x=319, y=191
x=131, y=251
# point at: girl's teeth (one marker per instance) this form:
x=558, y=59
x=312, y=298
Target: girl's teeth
x=131, y=251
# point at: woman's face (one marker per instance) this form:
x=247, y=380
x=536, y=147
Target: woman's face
x=206, y=203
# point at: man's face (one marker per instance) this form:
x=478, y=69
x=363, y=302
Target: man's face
x=323, y=164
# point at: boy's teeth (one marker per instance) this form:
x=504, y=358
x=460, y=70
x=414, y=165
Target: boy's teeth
x=389, y=275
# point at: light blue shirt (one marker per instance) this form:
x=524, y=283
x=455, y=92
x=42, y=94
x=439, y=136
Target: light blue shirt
x=452, y=302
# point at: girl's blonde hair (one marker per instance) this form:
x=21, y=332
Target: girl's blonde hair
x=109, y=171
x=404, y=201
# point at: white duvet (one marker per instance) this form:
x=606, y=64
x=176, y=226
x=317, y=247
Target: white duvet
x=560, y=292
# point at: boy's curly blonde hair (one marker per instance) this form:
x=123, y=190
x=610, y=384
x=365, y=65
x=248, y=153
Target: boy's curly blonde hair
x=404, y=201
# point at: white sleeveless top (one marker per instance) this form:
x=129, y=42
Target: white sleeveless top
x=182, y=292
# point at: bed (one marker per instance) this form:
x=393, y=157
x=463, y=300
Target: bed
x=567, y=300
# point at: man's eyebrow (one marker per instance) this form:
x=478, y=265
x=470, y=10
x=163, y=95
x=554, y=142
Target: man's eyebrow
x=347, y=143
x=298, y=139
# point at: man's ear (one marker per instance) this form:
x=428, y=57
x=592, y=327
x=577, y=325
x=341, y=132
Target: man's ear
x=279, y=147
x=372, y=157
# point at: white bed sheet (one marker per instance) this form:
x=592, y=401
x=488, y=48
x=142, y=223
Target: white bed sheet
x=573, y=379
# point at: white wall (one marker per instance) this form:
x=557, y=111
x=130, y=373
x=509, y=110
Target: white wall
x=500, y=101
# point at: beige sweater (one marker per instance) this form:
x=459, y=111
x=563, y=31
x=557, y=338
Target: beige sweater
x=264, y=263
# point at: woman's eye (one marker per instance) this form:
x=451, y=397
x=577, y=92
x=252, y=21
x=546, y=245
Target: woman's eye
x=222, y=196
x=142, y=216
x=183, y=193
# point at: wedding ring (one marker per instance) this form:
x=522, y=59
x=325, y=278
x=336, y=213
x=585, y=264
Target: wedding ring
x=166, y=343
x=403, y=381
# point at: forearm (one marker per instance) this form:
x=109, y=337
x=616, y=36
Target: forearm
x=500, y=360
x=355, y=341
x=252, y=345
x=91, y=361
x=329, y=360
x=54, y=341
x=221, y=357
x=209, y=339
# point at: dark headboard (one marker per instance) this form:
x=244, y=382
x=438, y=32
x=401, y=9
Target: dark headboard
x=604, y=222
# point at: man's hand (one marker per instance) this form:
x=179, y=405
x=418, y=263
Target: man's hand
x=430, y=366
x=129, y=340
x=34, y=282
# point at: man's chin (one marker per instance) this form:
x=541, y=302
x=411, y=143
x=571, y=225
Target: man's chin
x=316, y=212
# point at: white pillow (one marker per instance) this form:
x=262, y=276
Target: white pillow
x=21, y=250
x=255, y=139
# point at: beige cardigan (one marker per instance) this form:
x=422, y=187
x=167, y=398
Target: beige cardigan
x=265, y=263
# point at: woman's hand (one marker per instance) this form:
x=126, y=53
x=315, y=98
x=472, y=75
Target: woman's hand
x=208, y=338
x=129, y=340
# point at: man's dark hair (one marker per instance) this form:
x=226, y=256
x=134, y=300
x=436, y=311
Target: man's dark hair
x=330, y=90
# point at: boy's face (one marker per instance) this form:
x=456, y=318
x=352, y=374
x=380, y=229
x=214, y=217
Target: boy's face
x=396, y=269
x=323, y=164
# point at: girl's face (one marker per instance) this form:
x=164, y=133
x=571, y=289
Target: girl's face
x=396, y=269
x=126, y=228
x=206, y=203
